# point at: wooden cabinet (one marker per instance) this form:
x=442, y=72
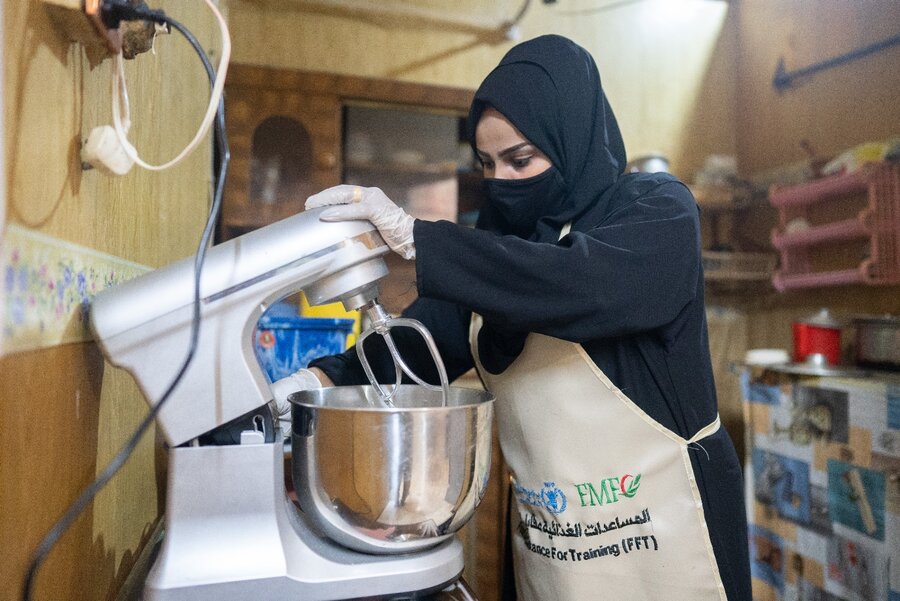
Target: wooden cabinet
x=285, y=145
x=287, y=133
x=730, y=260
x=294, y=133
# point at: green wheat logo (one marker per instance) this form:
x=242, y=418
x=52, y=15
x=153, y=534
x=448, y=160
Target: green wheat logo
x=629, y=485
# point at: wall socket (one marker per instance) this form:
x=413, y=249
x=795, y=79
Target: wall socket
x=79, y=21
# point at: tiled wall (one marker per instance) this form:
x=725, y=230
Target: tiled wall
x=47, y=284
x=823, y=489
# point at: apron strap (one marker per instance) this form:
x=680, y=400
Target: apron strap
x=707, y=430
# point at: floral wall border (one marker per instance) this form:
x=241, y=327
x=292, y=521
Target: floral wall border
x=47, y=286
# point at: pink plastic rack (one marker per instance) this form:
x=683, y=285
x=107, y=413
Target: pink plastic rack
x=878, y=222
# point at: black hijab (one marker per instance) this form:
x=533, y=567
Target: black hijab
x=549, y=88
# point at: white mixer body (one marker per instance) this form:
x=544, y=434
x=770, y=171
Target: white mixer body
x=231, y=531
x=144, y=325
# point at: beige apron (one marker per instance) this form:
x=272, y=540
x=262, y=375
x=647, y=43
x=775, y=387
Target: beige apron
x=605, y=501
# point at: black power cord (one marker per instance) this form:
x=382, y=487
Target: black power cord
x=113, y=12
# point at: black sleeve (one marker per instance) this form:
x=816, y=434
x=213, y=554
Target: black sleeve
x=449, y=326
x=633, y=273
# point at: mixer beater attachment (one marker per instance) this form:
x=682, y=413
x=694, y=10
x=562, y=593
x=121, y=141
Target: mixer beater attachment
x=381, y=323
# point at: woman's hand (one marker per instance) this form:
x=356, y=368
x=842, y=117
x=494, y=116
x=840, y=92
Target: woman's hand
x=302, y=379
x=356, y=202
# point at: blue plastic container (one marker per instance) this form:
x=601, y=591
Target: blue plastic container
x=286, y=343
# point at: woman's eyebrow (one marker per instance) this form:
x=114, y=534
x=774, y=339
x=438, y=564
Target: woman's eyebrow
x=512, y=149
x=504, y=152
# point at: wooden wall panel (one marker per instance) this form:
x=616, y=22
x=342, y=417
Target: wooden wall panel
x=669, y=75
x=833, y=109
x=64, y=412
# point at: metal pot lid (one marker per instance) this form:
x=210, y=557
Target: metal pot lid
x=822, y=319
x=817, y=365
x=887, y=319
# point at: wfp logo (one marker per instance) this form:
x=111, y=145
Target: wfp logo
x=554, y=499
x=550, y=497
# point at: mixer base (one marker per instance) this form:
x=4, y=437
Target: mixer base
x=456, y=591
x=231, y=533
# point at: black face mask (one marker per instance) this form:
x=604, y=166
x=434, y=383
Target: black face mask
x=522, y=202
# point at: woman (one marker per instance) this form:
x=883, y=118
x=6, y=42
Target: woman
x=579, y=298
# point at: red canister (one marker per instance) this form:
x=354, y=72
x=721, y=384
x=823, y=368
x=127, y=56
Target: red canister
x=819, y=334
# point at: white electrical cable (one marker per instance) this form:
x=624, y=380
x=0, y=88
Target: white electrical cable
x=122, y=112
x=121, y=106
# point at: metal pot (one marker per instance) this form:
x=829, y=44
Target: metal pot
x=382, y=479
x=878, y=341
x=651, y=163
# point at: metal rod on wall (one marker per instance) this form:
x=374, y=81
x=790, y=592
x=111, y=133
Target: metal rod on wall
x=423, y=15
x=784, y=79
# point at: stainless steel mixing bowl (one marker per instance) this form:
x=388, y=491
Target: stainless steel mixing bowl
x=382, y=479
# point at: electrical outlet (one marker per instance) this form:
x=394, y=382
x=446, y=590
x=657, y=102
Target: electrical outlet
x=103, y=150
x=112, y=36
x=79, y=21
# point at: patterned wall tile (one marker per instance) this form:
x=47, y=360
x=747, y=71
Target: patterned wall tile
x=47, y=285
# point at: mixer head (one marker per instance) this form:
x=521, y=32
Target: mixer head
x=144, y=325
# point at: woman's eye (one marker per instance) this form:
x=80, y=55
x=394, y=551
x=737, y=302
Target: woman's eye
x=521, y=162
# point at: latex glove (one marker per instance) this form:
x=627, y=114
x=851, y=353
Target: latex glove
x=356, y=202
x=302, y=379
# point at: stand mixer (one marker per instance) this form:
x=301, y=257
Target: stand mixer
x=231, y=529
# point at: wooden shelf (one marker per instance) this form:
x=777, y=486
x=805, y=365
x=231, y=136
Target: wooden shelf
x=728, y=256
x=241, y=219
x=718, y=199
x=849, y=229
x=446, y=169
x=738, y=266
